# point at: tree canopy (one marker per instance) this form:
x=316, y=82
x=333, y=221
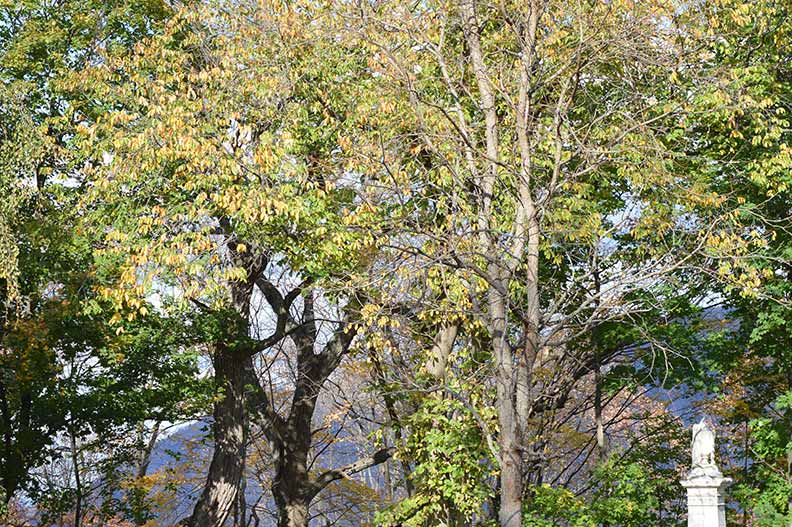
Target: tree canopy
x=392, y=263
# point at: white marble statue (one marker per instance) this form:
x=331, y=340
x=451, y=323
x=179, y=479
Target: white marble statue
x=703, y=448
x=705, y=484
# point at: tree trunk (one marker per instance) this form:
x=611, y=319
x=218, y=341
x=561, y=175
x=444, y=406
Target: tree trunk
x=77, y=480
x=228, y=461
x=293, y=514
x=442, y=347
x=291, y=488
x=511, y=480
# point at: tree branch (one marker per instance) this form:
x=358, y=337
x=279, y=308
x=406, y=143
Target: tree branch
x=329, y=476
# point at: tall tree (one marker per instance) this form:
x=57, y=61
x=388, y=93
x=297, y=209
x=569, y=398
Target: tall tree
x=62, y=368
x=744, y=140
x=218, y=162
x=537, y=148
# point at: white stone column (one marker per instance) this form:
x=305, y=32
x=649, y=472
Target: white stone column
x=705, y=484
x=706, y=497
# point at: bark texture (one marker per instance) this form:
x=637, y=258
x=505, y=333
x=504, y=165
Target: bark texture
x=228, y=461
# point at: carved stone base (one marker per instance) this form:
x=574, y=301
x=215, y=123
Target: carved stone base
x=706, y=499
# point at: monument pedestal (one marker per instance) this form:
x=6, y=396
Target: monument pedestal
x=706, y=495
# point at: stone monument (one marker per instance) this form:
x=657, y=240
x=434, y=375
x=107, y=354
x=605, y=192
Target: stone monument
x=705, y=484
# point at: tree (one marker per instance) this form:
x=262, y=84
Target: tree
x=218, y=163
x=743, y=139
x=478, y=235
x=62, y=369
x=537, y=148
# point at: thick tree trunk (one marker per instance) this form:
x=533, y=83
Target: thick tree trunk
x=510, y=513
x=228, y=461
x=293, y=514
x=291, y=486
